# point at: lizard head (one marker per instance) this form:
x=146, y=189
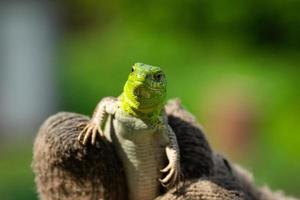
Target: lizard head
x=145, y=89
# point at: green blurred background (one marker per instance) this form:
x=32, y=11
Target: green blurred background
x=234, y=65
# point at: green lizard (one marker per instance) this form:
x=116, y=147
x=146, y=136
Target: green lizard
x=137, y=126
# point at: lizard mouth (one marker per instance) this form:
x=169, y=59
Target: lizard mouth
x=142, y=92
x=146, y=92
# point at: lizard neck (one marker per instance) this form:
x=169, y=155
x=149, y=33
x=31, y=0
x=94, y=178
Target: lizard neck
x=135, y=108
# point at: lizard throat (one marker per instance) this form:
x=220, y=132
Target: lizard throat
x=131, y=106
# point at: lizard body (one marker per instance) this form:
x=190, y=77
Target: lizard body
x=136, y=125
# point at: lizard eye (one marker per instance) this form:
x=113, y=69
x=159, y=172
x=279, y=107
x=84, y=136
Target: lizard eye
x=132, y=69
x=158, y=76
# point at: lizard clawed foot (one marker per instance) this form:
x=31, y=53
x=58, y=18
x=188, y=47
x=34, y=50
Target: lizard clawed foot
x=173, y=175
x=90, y=130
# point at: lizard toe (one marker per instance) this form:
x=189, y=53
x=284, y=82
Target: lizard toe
x=167, y=168
x=81, y=134
x=100, y=131
x=94, y=135
x=87, y=135
x=169, y=176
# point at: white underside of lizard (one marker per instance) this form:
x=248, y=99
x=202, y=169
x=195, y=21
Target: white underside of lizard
x=141, y=148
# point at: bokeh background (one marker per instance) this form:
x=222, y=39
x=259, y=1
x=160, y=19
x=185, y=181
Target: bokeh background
x=234, y=64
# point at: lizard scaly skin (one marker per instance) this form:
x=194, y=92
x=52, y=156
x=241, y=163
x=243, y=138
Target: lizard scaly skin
x=136, y=125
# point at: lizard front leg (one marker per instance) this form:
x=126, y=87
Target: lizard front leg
x=173, y=155
x=96, y=125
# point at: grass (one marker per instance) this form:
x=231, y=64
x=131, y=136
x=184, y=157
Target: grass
x=16, y=177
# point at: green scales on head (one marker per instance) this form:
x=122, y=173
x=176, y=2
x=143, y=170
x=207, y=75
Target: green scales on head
x=144, y=92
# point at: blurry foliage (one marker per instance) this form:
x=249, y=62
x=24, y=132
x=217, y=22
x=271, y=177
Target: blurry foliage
x=263, y=22
x=16, y=177
x=197, y=43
